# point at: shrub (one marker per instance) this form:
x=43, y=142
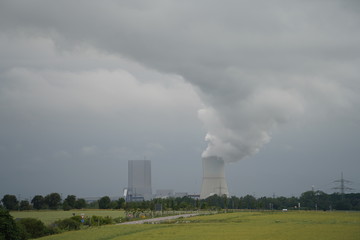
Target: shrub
x=97, y=220
x=68, y=224
x=32, y=228
x=22, y=234
x=119, y=220
x=8, y=228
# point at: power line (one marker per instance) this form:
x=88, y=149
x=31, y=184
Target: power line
x=342, y=185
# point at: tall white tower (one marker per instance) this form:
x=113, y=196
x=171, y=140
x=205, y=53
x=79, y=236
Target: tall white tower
x=139, y=180
x=214, y=181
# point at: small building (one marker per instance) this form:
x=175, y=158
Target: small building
x=164, y=193
x=194, y=196
x=180, y=194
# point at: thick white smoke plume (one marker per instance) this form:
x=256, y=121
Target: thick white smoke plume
x=241, y=127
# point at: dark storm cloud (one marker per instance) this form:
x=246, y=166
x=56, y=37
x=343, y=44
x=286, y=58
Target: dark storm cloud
x=77, y=113
x=257, y=65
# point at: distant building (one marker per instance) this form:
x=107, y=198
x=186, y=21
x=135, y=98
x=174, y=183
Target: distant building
x=180, y=194
x=139, y=181
x=194, y=196
x=164, y=193
x=91, y=199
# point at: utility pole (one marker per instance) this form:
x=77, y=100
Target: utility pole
x=342, y=187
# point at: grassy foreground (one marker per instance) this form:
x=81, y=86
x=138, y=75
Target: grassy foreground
x=292, y=225
x=48, y=217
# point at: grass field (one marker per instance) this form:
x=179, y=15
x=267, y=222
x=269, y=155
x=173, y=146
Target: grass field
x=49, y=217
x=294, y=225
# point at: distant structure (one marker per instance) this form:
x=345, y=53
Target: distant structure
x=194, y=196
x=342, y=187
x=180, y=194
x=214, y=181
x=139, y=181
x=164, y=193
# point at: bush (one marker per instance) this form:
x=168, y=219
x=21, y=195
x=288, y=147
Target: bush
x=97, y=220
x=32, y=228
x=68, y=224
x=22, y=234
x=119, y=220
x=104, y=202
x=8, y=227
x=66, y=206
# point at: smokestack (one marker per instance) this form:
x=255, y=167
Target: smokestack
x=214, y=181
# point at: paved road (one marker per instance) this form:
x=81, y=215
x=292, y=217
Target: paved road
x=160, y=219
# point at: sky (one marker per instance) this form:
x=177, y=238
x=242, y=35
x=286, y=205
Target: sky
x=271, y=87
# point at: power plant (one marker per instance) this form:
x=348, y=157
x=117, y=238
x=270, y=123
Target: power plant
x=214, y=181
x=139, y=181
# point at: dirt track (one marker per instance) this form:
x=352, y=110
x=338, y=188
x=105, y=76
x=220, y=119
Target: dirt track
x=160, y=219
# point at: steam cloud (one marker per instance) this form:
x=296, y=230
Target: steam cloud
x=255, y=64
x=243, y=126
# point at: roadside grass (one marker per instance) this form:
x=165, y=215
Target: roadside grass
x=295, y=225
x=50, y=216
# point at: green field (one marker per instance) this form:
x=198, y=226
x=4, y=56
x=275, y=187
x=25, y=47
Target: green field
x=49, y=217
x=294, y=225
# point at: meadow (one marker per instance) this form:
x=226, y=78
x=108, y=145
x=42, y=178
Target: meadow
x=295, y=225
x=48, y=217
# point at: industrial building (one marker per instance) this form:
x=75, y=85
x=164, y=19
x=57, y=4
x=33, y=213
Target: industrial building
x=139, y=181
x=164, y=193
x=181, y=194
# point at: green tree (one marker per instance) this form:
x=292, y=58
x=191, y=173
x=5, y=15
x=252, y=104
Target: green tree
x=80, y=203
x=215, y=201
x=25, y=205
x=68, y=224
x=354, y=199
x=204, y=205
x=293, y=202
x=69, y=202
x=249, y=202
x=308, y=199
x=234, y=202
x=344, y=204
x=225, y=201
x=322, y=200
x=8, y=227
x=93, y=205
x=104, y=202
x=10, y=202
x=283, y=202
x=121, y=203
x=38, y=202
x=53, y=200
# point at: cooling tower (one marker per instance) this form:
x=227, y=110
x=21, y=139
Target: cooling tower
x=214, y=181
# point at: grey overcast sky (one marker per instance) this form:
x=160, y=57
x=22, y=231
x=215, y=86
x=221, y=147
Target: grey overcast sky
x=272, y=87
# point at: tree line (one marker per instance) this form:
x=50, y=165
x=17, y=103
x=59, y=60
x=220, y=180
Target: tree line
x=310, y=200
x=30, y=228
x=51, y=201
